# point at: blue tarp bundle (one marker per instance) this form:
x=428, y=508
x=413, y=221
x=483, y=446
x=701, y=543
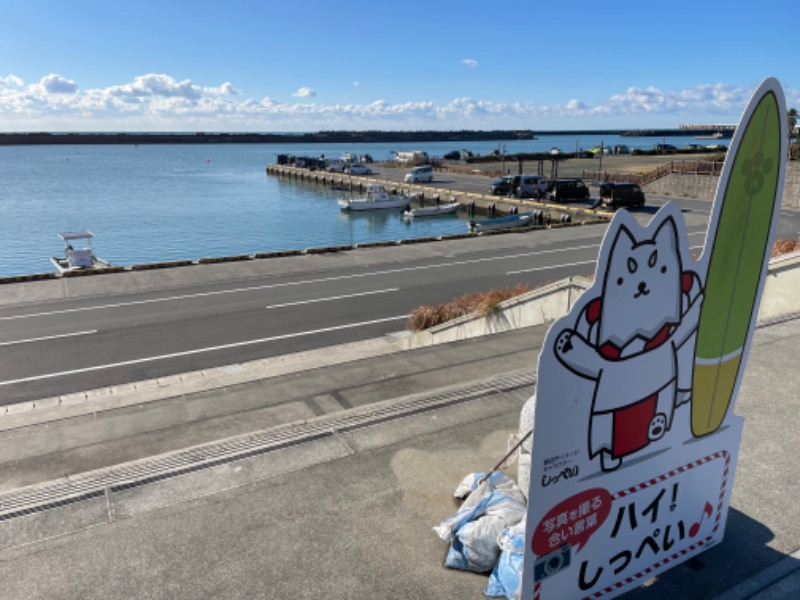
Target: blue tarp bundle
x=505, y=578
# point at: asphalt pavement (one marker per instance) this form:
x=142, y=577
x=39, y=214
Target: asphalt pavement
x=322, y=473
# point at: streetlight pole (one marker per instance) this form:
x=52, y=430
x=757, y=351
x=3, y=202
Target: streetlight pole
x=601, y=157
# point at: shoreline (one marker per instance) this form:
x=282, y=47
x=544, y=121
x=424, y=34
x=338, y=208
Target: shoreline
x=323, y=137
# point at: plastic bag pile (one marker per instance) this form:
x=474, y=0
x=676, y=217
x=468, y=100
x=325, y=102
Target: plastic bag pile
x=487, y=534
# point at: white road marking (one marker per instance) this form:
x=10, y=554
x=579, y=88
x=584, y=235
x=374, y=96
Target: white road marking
x=532, y=270
x=310, y=281
x=137, y=361
x=49, y=337
x=329, y=298
x=295, y=283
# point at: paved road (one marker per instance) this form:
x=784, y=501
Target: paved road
x=293, y=304
x=70, y=345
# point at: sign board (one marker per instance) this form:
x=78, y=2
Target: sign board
x=636, y=439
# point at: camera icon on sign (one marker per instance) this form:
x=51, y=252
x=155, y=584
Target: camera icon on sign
x=552, y=563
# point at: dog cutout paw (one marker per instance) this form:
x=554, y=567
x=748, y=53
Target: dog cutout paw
x=564, y=342
x=657, y=428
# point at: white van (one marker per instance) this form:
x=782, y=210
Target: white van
x=529, y=186
x=415, y=156
x=420, y=174
x=335, y=165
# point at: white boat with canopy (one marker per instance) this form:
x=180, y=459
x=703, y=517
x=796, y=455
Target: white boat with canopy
x=377, y=198
x=78, y=253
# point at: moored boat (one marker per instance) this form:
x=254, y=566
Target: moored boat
x=509, y=222
x=78, y=253
x=431, y=211
x=376, y=198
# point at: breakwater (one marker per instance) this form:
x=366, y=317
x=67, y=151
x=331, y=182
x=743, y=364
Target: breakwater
x=471, y=203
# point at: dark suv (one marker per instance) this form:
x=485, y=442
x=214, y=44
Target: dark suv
x=615, y=195
x=560, y=190
x=503, y=185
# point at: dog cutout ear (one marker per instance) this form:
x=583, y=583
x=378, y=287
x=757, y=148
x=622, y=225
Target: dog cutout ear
x=667, y=235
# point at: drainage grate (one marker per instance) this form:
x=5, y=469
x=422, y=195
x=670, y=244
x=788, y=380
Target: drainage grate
x=89, y=485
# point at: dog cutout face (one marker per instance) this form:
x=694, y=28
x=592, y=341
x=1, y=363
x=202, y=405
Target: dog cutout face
x=642, y=285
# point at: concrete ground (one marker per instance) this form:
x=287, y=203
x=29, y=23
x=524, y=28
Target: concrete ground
x=325, y=477
x=574, y=167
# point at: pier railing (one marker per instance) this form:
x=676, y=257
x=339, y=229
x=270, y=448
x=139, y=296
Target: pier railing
x=680, y=167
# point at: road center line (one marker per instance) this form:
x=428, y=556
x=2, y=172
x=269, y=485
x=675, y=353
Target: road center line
x=329, y=298
x=456, y=263
x=138, y=361
x=575, y=264
x=49, y=337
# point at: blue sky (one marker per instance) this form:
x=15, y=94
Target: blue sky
x=249, y=65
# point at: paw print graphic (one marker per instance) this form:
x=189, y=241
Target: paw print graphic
x=755, y=169
x=564, y=342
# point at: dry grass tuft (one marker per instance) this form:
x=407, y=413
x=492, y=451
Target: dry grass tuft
x=784, y=247
x=479, y=303
x=485, y=303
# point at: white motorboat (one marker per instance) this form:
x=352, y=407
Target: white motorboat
x=78, y=253
x=377, y=198
x=431, y=211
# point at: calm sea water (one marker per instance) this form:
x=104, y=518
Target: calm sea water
x=152, y=203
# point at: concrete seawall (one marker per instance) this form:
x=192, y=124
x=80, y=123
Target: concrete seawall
x=478, y=203
x=548, y=303
x=705, y=186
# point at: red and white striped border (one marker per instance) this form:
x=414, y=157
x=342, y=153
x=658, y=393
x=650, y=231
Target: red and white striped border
x=681, y=553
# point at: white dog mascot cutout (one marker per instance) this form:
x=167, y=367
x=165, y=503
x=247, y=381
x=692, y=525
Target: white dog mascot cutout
x=644, y=322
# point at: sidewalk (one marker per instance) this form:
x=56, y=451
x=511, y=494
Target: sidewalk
x=357, y=454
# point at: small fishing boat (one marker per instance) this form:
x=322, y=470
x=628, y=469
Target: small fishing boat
x=78, y=253
x=431, y=211
x=510, y=222
x=377, y=198
x=717, y=135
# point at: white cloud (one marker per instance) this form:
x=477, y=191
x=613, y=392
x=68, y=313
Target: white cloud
x=160, y=102
x=469, y=62
x=356, y=84
x=56, y=84
x=305, y=92
x=155, y=85
x=10, y=80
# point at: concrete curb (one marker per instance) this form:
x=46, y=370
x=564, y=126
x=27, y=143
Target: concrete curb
x=25, y=414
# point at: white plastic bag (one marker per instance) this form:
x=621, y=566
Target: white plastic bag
x=473, y=530
x=526, y=418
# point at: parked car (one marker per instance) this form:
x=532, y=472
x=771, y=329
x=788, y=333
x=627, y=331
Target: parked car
x=358, y=169
x=529, y=186
x=502, y=185
x=335, y=165
x=665, y=148
x=615, y=195
x=561, y=190
x=419, y=174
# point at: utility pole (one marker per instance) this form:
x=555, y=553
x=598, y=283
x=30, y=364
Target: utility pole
x=601, y=156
